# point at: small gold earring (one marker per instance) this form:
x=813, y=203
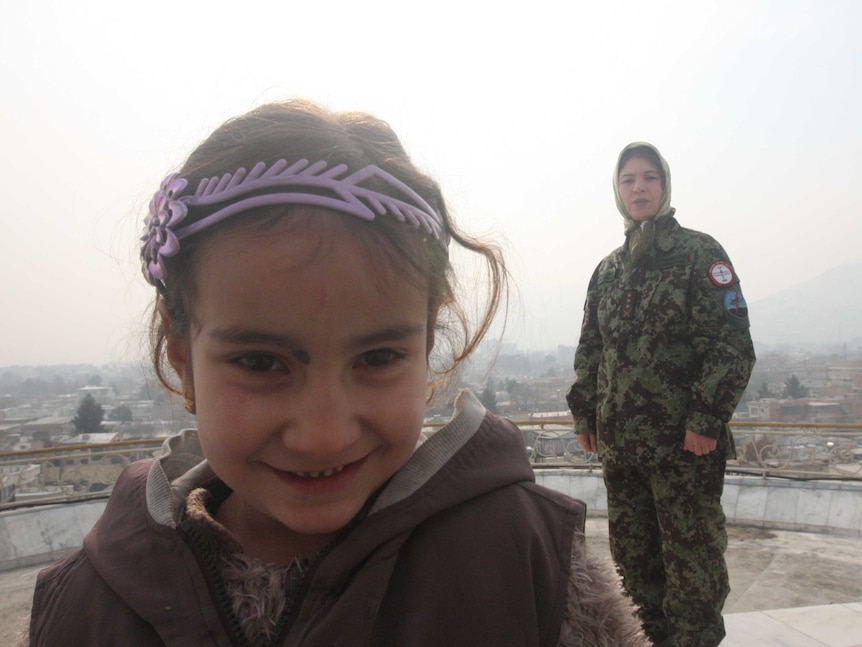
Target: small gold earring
x=189, y=405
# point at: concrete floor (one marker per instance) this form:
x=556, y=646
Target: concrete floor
x=789, y=589
x=777, y=569
x=16, y=591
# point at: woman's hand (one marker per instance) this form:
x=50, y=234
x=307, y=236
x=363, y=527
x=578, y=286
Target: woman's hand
x=697, y=443
x=588, y=442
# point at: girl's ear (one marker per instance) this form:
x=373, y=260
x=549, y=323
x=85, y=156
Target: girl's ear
x=177, y=351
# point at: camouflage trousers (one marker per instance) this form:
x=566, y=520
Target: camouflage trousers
x=668, y=537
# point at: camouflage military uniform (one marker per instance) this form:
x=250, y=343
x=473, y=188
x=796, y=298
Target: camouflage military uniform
x=665, y=348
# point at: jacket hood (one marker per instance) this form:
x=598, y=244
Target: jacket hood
x=664, y=207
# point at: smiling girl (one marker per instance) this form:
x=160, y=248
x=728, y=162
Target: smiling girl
x=302, y=279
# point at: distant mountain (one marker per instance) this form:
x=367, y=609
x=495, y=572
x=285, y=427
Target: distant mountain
x=823, y=313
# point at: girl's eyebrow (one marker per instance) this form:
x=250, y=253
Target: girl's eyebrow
x=241, y=336
x=395, y=333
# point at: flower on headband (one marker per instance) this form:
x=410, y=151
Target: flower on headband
x=159, y=240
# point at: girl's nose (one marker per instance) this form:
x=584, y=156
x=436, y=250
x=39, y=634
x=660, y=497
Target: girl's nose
x=323, y=421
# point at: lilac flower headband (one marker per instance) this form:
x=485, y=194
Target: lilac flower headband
x=298, y=183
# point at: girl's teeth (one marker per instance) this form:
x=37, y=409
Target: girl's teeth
x=317, y=475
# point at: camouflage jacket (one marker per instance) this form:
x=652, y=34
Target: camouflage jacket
x=664, y=347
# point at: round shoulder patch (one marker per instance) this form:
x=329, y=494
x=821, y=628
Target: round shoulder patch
x=721, y=273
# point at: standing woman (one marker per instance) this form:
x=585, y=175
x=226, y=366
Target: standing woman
x=663, y=358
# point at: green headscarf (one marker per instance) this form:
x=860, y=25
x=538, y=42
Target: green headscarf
x=640, y=235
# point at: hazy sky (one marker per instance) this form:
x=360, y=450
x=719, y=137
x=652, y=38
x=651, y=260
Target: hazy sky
x=519, y=113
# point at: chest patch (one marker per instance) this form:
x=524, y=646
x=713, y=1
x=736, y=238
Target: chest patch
x=721, y=273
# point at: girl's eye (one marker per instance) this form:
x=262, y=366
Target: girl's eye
x=260, y=362
x=378, y=357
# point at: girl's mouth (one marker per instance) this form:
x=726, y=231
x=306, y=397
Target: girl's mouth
x=320, y=482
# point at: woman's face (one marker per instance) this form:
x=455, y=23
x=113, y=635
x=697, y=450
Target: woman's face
x=307, y=360
x=640, y=188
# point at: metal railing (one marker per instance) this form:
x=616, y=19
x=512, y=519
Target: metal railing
x=789, y=450
x=799, y=450
x=67, y=473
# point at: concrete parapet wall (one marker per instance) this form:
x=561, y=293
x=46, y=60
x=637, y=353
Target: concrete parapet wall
x=47, y=533
x=813, y=506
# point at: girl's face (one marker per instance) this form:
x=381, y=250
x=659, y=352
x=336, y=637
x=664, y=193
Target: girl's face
x=640, y=188
x=307, y=362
